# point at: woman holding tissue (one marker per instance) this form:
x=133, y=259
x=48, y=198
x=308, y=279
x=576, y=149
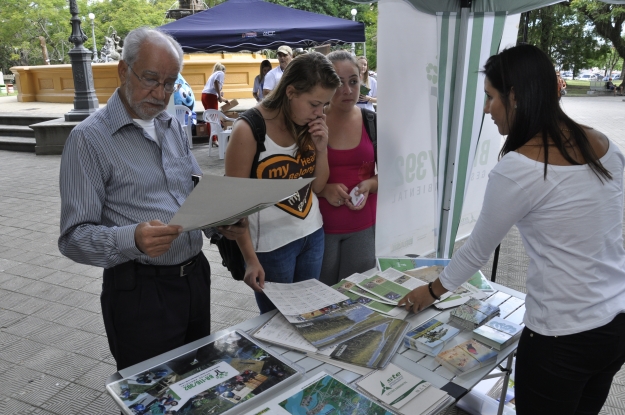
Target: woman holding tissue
x=561, y=184
x=348, y=221
x=285, y=241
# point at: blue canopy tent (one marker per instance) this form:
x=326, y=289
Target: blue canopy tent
x=255, y=24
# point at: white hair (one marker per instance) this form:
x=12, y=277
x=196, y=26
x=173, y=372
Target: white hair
x=134, y=40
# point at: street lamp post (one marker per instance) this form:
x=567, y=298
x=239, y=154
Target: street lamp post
x=354, y=11
x=95, y=49
x=85, y=100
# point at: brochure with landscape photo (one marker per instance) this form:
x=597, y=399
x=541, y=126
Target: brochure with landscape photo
x=373, y=348
x=322, y=394
x=473, y=314
x=222, y=377
x=335, y=323
x=466, y=357
x=345, y=287
x=498, y=333
x=384, y=288
x=430, y=337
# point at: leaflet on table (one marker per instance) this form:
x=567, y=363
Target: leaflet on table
x=402, y=279
x=356, y=278
x=302, y=297
x=321, y=394
x=218, y=200
x=375, y=347
x=372, y=349
x=430, y=337
x=403, y=391
x=345, y=287
x=405, y=263
x=336, y=323
x=384, y=288
x=460, y=296
x=225, y=374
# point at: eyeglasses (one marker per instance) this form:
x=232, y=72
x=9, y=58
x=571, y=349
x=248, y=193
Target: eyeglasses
x=152, y=84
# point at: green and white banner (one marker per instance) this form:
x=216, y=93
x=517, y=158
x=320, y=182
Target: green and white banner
x=407, y=157
x=434, y=149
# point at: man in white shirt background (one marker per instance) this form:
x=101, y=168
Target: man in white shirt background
x=285, y=56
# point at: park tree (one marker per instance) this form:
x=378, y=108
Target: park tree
x=607, y=20
x=565, y=36
x=367, y=13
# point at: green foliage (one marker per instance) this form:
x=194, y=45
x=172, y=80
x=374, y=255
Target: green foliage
x=366, y=13
x=563, y=34
x=21, y=25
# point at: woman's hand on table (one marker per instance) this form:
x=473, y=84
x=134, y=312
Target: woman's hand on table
x=420, y=298
x=337, y=194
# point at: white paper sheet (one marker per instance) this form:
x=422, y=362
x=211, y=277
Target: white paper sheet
x=302, y=297
x=221, y=200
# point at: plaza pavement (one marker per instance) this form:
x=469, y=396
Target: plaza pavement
x=54, y=356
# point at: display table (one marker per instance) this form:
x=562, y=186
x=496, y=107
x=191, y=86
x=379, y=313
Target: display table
x=419, y=364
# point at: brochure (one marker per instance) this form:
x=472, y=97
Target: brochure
x=302, y=297
x=426, y=274
x=460, y=296
x=384, y=288
x=403, y=391
x=345, y=287
x=321, y=394
x=497, y=298
x=336, y=323
x=402, y=279
x=373, y=348
x=400, y=264
x=227, y=373
x=479, y=281
x=498, y=333
x=473, y=314
x=430, y=337
x=466, y=357
x=238, y=198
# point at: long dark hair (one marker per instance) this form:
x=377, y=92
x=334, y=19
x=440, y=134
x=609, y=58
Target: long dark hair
x=264, y=64
x=303, y=73
x=529, y=72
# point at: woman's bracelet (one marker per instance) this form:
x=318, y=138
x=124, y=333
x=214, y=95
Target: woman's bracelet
x=432, y=292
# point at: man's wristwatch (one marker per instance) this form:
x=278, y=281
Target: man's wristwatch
x=432, y=292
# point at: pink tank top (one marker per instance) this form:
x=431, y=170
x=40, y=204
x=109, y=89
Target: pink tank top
x=350, y=167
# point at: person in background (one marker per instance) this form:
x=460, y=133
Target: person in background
x=212, y=94
x=561, y=85
x=561, y=183
x=349, y=229
x=285, y=56
x=285, y=241
x=259, y=81
x=367, y=100
x=610, y=86
x=125, y=172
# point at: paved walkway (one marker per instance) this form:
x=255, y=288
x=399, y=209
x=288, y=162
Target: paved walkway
x=54, y=356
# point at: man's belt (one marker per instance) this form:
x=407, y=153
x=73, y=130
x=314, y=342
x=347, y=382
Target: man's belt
x=180, y=270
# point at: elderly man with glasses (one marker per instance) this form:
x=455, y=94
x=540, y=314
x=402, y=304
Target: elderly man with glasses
x=125, y=171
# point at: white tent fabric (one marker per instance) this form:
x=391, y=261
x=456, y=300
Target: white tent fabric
x=430, y=122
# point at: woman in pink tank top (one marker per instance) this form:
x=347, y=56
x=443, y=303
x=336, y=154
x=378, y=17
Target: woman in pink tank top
x=348, y=223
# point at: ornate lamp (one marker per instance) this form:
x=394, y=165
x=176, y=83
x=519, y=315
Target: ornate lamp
x=85, y=100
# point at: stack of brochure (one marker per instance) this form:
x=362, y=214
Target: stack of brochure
x=498, y=333
x=357, y=294
x=466, y=357
x=372, y=349
x=430, y=337
x=322, y=315
x=403, y=392
x=321, y=394
x=473, y=314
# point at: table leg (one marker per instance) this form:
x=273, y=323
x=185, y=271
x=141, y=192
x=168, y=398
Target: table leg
x=504, y=387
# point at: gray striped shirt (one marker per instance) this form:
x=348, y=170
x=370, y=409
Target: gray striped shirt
x=115, y=176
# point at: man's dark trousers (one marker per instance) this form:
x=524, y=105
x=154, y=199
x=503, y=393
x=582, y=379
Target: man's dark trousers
x=154, y=312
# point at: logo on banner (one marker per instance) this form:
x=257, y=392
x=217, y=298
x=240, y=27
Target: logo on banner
x=249, y=34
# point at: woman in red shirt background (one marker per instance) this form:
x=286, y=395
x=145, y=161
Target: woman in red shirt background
x=349, y=229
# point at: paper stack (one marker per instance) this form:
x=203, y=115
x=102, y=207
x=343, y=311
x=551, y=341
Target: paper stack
x=473, y=314
x=430, y=337
x=498, y=333
x=466, y=357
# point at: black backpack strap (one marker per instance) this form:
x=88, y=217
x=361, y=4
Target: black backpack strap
x=257, y=123
x=370, y=120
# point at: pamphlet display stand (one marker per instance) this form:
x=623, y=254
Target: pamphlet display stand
x=420, y=365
